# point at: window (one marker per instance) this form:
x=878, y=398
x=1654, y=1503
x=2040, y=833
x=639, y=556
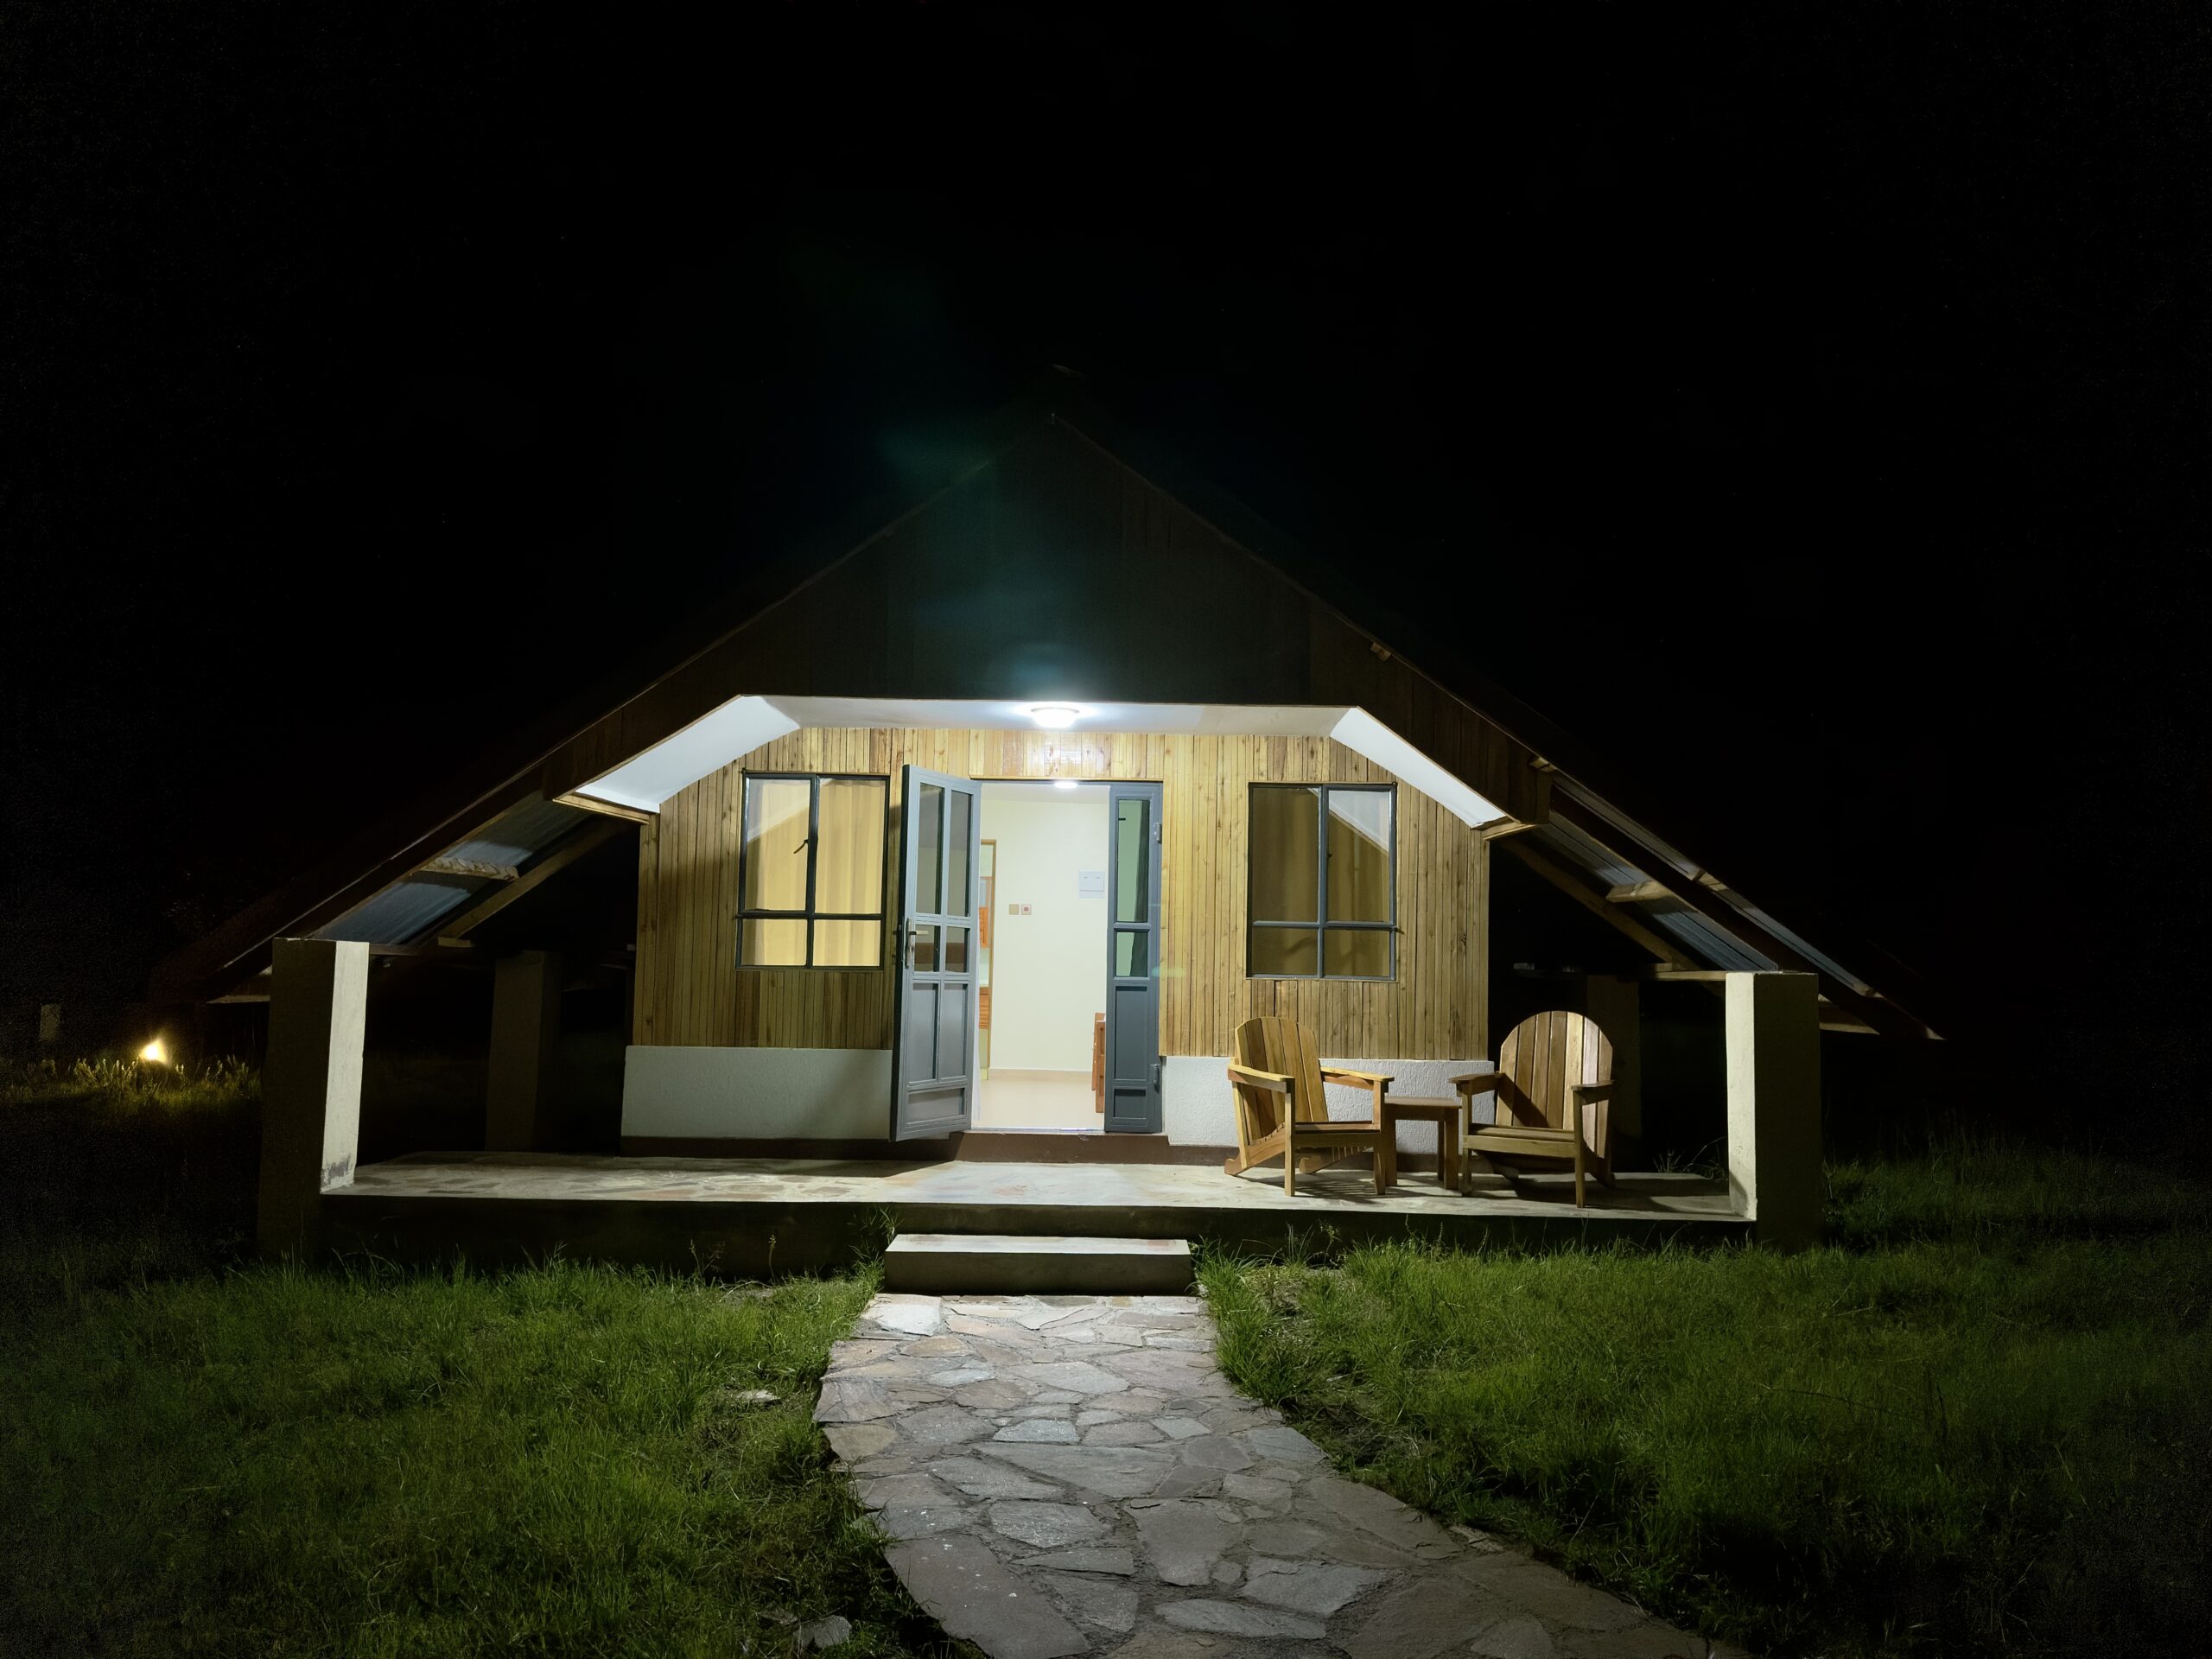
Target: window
x=1323, y=882
x=810, y=872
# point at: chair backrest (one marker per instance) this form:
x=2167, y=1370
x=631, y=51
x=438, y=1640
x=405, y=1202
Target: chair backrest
x=1270, y=1043
x=1543, y=1055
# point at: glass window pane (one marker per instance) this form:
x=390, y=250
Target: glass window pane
x=775, y=842
x=929, y=836
x=848, y=944
x=1283, y=951
x=1286, y=854
x=922, y=953
x=956, y=949
x=1358, y=953
x=848, y=856
x=1131, y=959
x=956, y=854
x=772, y=944
x=1359, y=855
x=1133, y=859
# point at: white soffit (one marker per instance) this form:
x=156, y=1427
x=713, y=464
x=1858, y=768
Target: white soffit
x=707, y=744
x=1213, y=719
x=1363, y=735
x=743, y=725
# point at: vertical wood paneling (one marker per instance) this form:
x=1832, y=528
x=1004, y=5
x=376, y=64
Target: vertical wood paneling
x=690, y=991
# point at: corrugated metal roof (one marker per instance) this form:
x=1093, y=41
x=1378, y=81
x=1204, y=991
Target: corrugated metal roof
x=411, y=909
x=1674, y=867
x=1706, y=943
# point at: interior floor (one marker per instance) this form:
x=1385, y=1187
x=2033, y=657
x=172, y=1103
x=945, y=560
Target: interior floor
x=1037, y=1101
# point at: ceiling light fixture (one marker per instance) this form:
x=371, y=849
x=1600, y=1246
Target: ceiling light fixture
x=1055, y=716
x=1063, y=782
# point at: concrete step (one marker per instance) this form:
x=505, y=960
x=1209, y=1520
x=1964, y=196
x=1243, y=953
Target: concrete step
x=1016, y=1264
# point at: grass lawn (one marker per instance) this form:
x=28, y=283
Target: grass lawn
x=1979, y=1422
x=205, y=1456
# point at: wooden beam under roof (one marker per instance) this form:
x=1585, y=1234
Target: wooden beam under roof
x=586, y=840
x=448, y=864
x=1704, y=896
x=1637, y=893
x=592, y=803
x=1657, y=943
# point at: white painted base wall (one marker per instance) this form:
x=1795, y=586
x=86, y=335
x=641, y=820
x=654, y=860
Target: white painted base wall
x=838, y=1094
x=824, y=1094
x=1199, y=1108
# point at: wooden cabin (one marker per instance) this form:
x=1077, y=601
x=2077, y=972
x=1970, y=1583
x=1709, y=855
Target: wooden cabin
x=1006, y=814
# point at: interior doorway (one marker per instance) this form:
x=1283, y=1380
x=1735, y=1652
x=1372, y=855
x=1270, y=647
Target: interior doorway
x=1044, y=990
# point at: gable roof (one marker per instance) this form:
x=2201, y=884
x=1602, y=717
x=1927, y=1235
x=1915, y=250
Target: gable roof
x=1009, y=567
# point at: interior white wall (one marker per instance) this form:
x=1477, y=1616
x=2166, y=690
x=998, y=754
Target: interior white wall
x=1048, y=969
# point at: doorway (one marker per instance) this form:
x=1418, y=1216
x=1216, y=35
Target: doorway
x=1043, y=992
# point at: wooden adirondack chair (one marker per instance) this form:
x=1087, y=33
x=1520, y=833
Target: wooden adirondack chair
x=1555, y=1076
x=1282, y=1111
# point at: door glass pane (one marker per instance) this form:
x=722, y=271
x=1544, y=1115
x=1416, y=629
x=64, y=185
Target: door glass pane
x=956, y=854
x=929, y=846
x=773, y=945
x=1131, y=958
x=775, y=844
x=956, y=949
x=848, y=944
x=922, y=956
x=1359, y=855
x=1358, y=953
x=1286, y=853
x=1284, y=951
x=848, y=855
x=1132, y=859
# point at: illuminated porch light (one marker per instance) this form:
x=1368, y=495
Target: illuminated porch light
x=1055, y=716
x=154, y=1054
x=1063, y=782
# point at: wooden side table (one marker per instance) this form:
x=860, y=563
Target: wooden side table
x=1445, y=1113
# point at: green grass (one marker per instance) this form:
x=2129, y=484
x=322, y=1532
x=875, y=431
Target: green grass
x=1979, y=1423
x=200, y=1454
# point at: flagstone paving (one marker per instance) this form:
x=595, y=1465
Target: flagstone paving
x=1066, y=1475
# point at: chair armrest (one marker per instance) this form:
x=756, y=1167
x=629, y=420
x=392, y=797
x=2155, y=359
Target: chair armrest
x=1593, y=1090
x=1479, y=1083
x=1339, y=1074
x=1271, y=1080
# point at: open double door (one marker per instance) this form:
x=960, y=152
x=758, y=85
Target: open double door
x=933, y=1014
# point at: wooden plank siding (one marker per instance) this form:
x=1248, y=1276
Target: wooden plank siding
x=690, y=992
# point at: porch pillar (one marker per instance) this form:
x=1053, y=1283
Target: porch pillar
x=1773, y=1024
x=526, y=1022
x=310, y=1087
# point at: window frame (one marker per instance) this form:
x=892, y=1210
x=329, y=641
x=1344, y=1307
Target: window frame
x=1320, y=927
x=880, y=916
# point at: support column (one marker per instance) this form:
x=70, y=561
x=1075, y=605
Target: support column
x=526, y=1023
x=1774, y=1106
x=1617, y=1005
x=310, y=1087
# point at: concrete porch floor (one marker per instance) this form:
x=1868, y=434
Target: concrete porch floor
x=750, y=1216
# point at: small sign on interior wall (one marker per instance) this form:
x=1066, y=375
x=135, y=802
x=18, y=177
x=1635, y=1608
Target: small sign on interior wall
x=1090, y=884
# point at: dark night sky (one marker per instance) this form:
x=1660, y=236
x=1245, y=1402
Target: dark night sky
x=1838, y=364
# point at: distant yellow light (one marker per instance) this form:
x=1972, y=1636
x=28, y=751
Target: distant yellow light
x=155, y=1053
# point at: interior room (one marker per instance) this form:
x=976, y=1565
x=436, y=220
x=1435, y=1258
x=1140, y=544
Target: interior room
x=1042, y=994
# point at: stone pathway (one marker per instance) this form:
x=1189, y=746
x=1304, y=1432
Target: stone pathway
x=1073, y=1474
